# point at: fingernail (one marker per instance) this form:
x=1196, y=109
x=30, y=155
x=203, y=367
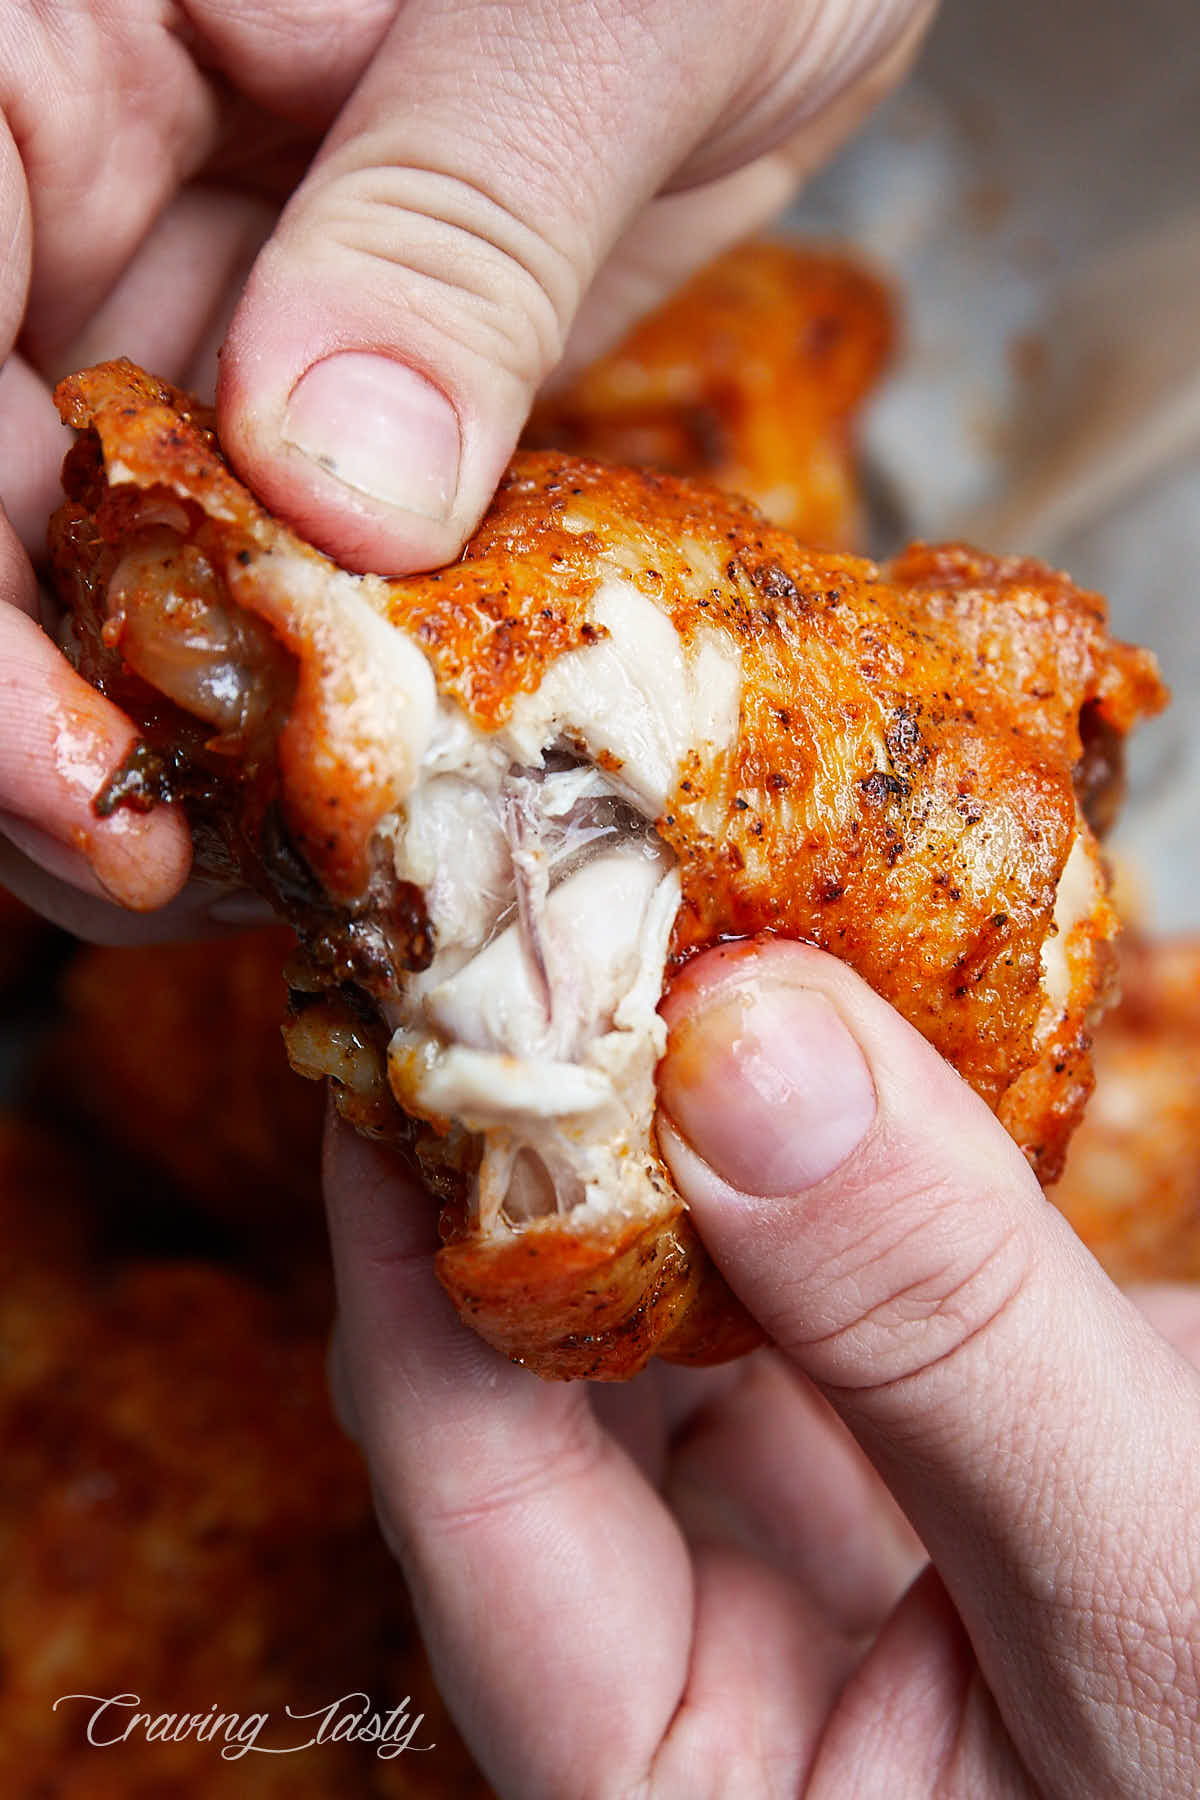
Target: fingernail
x=768, y=1087
x=380, y=428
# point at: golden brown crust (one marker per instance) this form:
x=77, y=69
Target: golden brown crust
x=1131, y=1186
x=902, y=788
x=940, y=706
x=599, y=1303
x=147, y=438
x=749, y=377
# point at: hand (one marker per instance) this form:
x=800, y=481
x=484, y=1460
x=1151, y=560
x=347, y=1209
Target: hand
x=698, y=1584
x=467, y=187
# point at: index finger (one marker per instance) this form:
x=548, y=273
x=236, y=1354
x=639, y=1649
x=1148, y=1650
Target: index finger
x=59, y=742
x=554, y=1590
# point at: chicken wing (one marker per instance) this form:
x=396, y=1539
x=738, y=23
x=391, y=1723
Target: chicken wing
x=181, y=1519
x=751, y=376
x=501, y=801
x=174, y=1052
x=1131, y=1187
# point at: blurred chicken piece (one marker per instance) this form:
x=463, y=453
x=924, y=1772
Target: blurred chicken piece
x=180, y=1519
x=46, y=1241
x=751, y=376
x=498, y=802
x=1131, y=1187
x=27, y=943
x=174, y=1052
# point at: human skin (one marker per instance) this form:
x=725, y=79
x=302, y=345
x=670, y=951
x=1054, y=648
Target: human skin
x=474, y=198
x=648, y=1593
x=713, y=1582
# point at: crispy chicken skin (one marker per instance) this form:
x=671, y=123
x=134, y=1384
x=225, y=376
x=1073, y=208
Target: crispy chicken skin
x=751, y=377
x=1131, y=1187
x=500, y=801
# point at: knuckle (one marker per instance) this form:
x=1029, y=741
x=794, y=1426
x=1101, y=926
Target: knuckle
x=923, y=1275
x=488, y=1495
x=457, y=257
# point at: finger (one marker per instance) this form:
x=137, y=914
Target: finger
x=644, y=1415
x=111, y=114
x=421, y=284
x=341, y=1391
x=1173, y=1308
x=750, y=1458
x=670, y=239
x=295, y=63
x=553, y=1589
x=918, y=1713
x=764, y=1674
x=199, y=911
x=679, y=232
x=33, y=442
x=26, y=463
x=16, y=238
x=770, y=1467
x=1041, y=1436
x=168, y=311
x=172, y=303
x=59, y=742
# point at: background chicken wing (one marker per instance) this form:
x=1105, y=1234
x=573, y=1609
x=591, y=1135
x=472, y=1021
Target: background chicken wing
x=753, y=377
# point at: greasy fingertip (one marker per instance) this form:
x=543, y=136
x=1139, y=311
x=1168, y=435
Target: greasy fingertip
x=60, y=741
x=782, y=1066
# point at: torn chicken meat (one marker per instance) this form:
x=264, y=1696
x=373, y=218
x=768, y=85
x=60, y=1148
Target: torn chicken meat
x=500, y=802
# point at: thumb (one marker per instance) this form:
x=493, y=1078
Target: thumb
x=861, y=1199
x=869, y=1210
x=422, y=282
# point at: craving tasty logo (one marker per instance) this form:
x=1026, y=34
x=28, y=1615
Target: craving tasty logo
x=353, y=1719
